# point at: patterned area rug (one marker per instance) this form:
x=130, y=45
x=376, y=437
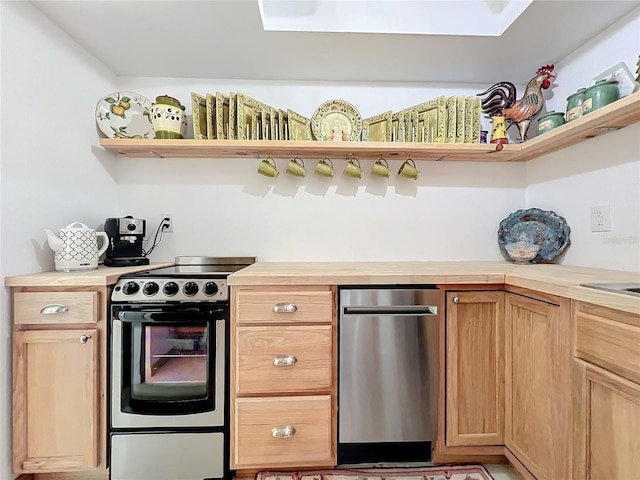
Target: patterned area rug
x=446, y=472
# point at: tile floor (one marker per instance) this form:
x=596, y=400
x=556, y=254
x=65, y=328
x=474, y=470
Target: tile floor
x=502, y=471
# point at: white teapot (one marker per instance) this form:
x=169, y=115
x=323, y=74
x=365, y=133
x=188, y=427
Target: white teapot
x=77, y=247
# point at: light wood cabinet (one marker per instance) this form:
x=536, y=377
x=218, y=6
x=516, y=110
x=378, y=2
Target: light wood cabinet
x=293, y=307
x=606, y=394
x=284, y=431
x=55, y=400
x=283, y=371
x=283, y=360
x=59, y=408
x=474, y=368
x=538, y=384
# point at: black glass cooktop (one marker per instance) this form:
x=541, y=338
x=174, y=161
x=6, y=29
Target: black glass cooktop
x=199, y=267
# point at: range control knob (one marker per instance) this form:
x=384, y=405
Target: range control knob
x=170, y=289
x=190, y=289
x=210, y=288
x=150, y=288
x=130, y=288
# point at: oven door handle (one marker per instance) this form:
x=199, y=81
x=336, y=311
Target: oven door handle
x=181, y=316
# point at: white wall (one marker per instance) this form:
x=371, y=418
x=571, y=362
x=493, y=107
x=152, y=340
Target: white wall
x=5, y=329
x=604, y=171
x=600, y=171
x=223, y=207
x=618, y=43
x=52, y=172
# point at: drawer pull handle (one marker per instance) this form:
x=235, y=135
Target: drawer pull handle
x=85, y=338
x=283, y=431
x=54, y=308
x=284, y=360
x=456, y=300
x=285, y=307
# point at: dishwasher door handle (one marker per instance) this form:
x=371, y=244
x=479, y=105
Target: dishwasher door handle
x=395, y=311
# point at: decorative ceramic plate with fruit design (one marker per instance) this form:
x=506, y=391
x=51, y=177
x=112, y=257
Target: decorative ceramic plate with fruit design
x=125, y=115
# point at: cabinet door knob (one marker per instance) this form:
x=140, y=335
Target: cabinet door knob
x=456, y=300
x=285, y=307
x=85, y=338
x=283, y=431
x=284, y=360
x=54, y=308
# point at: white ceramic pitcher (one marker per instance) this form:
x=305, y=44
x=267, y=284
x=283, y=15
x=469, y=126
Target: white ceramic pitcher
x=77, y=247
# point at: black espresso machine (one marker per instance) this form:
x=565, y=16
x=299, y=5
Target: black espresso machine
x=126, y=235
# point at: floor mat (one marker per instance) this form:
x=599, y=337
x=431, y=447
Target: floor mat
x=442, y=472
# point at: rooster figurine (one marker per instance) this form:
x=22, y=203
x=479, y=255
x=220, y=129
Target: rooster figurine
x=501, y=99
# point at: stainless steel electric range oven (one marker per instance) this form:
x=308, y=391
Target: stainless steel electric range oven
x=168, y=371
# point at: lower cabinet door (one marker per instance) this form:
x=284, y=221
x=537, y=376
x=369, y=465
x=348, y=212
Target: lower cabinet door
x=55, y=400
x=538, y=385
x=283, y=431
x=606, y=425
x=475, y=368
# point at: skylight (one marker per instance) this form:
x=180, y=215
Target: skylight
x=421, y=17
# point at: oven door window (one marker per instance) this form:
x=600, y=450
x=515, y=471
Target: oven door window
x=168, y=368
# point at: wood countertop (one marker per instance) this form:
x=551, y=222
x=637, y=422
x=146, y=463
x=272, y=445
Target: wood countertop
x=564, y=281
x=560, y=280
x=370, y=273
x=99, y=277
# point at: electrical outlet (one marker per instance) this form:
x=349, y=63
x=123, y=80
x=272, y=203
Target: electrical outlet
x=601, y=218
x=168, y=224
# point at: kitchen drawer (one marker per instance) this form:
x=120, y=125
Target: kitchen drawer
x=610, y=344
x=310, y=445
x=265, y=356
x=304, y=306
x=63, y=307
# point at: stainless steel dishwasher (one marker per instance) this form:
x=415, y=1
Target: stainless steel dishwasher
x=388, y=374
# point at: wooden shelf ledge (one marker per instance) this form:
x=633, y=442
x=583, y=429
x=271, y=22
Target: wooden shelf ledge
x=617, y=115
x=189, y=148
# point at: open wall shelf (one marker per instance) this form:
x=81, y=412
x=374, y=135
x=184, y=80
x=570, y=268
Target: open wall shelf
x=614, y=116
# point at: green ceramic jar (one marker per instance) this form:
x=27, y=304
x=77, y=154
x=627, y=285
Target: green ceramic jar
x=549, y=121
x=602, y=93
x=574, y=104
x=168, y=118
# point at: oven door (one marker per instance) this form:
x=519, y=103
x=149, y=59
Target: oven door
x=167, y=365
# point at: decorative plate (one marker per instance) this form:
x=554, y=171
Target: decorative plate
x=428, y=120
x=538, y=227
x=125, y=115
x=222, y=111
x=297, y=127
x=199, y=117
x=377, y=128
x=451, y=123
x=336, y=120
x=397, y=127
